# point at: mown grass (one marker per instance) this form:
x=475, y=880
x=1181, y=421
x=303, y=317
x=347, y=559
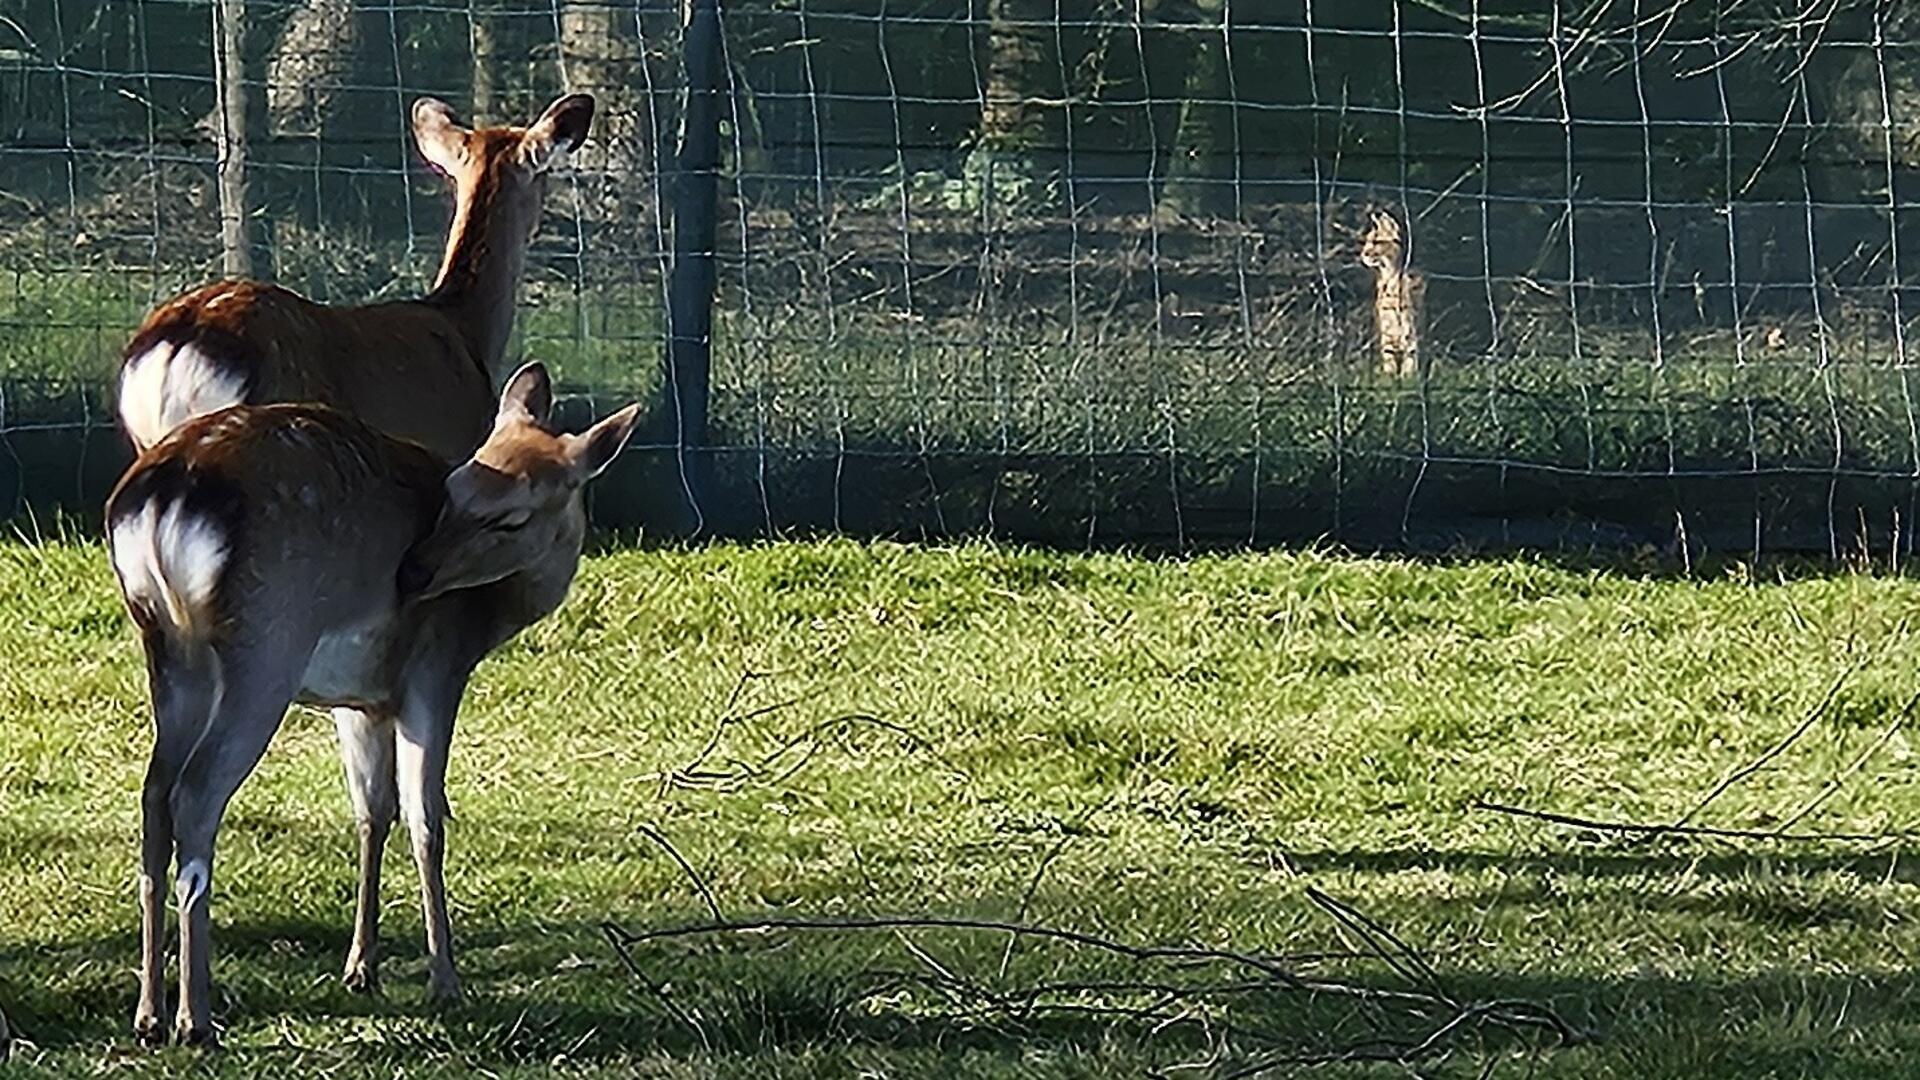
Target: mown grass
x=1182, y=746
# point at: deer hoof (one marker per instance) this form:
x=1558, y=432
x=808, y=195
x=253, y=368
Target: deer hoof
x=148, y=1029
x=201, y=1038
x=361, y=977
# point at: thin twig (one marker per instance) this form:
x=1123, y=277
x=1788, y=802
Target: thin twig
x=1637, y=828
x=622, y=949
x=1067, y=834
x=699, y=883
x=1397, y=954
x=1834, y=784
x=809, y=740
x=1774, y=751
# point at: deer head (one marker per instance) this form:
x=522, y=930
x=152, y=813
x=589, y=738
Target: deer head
x=1382, y=246
x=517, y=501
x=499, y=171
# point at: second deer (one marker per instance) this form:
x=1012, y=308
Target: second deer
x=1399, y=296
x=425, y=369
x=282, y=553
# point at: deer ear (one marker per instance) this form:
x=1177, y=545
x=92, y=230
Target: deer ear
x=559, y=132
x=596, y=449
x=528, y=397
x=442, y=141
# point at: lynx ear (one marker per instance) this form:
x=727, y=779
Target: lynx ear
x=442, y=141
x=595, y=450
x=528, y=397
x=559, y=132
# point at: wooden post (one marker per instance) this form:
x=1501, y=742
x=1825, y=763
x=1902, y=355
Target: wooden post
x=486, y=53
x=230, y=136
x=690, y=292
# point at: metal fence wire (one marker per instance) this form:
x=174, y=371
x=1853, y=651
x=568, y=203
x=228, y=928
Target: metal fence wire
x=1088, y=272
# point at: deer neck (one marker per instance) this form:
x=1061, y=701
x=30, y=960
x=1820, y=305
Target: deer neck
x=1387, y=283
x=479, y=279
x=478, y=620
x=542, y=587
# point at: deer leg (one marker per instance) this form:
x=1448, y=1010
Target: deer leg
x=183, y=685
x=366, y=752
x=420, y=755
x=156, y=852
x=247, y=712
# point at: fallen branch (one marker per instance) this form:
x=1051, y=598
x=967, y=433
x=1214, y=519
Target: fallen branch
x=1640, y=829
x=699, y=883
x=659, y=992
x=1835, y=783
x=1441, y=1017
x=1750, y=768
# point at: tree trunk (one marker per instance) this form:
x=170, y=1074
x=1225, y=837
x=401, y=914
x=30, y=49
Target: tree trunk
x=230, y=137
x=600, y=54
x=311, y=61
x=1203, y=141
x=1015, y=53
x=486, y=54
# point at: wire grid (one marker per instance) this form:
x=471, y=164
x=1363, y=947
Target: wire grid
x=109, y=202
x=1089, y=272
x=1112, y=290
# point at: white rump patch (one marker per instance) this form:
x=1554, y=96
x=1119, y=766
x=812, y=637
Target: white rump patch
x=164, y=387
x=169, y=559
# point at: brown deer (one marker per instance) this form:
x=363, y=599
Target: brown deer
x=424, y=369
x=1399, y=294
x=282, y=553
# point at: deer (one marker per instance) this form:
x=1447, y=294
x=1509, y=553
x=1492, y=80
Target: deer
x=292, y=553
x=426, y=369
x=1399, y=296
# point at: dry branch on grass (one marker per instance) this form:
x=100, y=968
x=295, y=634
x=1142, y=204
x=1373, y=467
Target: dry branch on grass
x=1635, y=832
x=1416, y=998
x=703, y=773
x=1411, y=1016
x=1645, y=829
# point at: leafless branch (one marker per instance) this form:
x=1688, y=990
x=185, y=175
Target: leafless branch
x=1040, y=872
x=1750, y=768
x=1439, y=1022
x=699, y=883
x=622, y=950
x=1640, y=829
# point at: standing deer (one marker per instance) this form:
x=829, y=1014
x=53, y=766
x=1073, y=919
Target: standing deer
x=1399, y=293
x=424, y=369
x=282, y=553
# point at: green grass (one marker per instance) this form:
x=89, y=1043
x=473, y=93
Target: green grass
x=1184, y=747
x=781, y=378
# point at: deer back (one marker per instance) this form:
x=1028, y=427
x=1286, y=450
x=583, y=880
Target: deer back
x=241, y=512
x=404, y=368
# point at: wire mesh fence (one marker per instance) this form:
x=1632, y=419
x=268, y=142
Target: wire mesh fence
x=1085, y=271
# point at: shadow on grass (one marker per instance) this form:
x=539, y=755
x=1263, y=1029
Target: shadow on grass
x=524, y=1014
x=540, y=991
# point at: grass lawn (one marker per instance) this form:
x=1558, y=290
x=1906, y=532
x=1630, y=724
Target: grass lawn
x=1152, y=751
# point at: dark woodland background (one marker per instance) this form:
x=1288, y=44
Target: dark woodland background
x=1071, y=271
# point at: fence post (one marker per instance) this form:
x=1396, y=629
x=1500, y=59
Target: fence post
x=690, y=292
x=230, y=131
